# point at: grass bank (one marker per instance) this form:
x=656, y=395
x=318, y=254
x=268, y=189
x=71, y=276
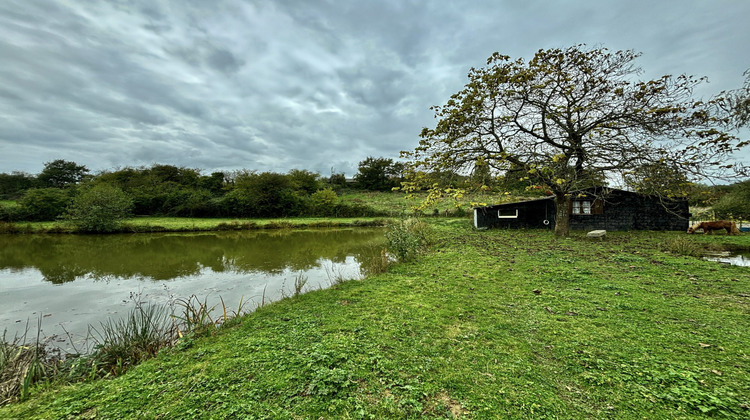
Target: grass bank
x=195, y=224
x=489, y=324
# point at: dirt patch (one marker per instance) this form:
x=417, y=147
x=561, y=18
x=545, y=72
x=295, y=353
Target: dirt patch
x=442, y=401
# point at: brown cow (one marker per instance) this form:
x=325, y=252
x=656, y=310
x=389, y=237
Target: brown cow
x=710, y=227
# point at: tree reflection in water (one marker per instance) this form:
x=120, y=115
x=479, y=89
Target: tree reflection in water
x=73, y=281
x=165, y=256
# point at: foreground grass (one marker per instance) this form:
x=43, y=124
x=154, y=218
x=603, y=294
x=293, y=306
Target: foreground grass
x=490, y=324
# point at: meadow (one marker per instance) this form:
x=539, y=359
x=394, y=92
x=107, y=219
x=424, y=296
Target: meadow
x=485, y=324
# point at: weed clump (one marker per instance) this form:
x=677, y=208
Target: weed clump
x=688, y=247
x=20, y=367
x=126, y=342
x=683, y=246
x=408, y=238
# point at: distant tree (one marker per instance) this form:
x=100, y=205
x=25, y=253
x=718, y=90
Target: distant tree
x=266, y=194
x=213, y=183
x=337, y=180
x=43, y=203
x=61, y=173
x=736, y=203
x=481, y=174
x=570, y=114
x=379, y=174
x=660, y=179
x=13, y=185
x=99, y=208
x=304, y=181
x=174, y=174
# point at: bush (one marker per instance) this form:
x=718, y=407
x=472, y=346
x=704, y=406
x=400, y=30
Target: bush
x=100, y=208
x=324, y=201
x=9, y=212
x=408, y=238
x=43, y=204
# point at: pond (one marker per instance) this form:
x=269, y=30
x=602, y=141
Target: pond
x=73, y=281
x=741, y=259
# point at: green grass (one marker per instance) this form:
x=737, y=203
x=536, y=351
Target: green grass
x=397, y=204
x=489, y=324
x=190, y=224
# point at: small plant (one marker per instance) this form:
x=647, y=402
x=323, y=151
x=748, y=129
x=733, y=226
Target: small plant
x=378, y=264
x=196, y=317
x=683, y=246
x=335, y=277
x=299, y=283
x=408, y=238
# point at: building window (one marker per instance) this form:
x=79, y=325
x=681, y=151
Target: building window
x=507, y=214
x=582, y=207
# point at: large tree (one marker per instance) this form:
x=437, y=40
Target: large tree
x=61, y=173
x=378, y=174
x=737, y=103
x=568, y=116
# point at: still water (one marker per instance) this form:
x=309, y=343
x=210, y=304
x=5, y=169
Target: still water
x=741, y=259
x=73, y=281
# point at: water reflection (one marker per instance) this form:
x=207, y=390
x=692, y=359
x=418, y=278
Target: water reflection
x=741, y=259
x=63, y=258
x=72, y=281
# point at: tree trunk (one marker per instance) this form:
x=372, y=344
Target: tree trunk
x=562, y=215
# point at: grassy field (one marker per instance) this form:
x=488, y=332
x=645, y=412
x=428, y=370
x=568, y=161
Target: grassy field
x=488, y=324
x=396, y=203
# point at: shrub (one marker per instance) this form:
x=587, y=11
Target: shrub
x=43, y=204
x=100, y=208
x=733, y=206
x=408, y=238
x=9, y=212
x=323, y=201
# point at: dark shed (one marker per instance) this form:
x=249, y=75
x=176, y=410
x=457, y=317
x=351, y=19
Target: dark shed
x=595, y=208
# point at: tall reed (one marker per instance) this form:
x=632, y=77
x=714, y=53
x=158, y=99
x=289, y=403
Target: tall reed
x=121, y=343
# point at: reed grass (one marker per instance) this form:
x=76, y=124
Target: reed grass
x=22, y=365
x=111, y=348
x=122, y=343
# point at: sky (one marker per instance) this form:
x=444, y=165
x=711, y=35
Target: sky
x=320, y=85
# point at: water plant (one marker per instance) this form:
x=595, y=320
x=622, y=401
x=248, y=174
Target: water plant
x=299, y=283
x=408, y=238
x=22, y=365
x=121, y=343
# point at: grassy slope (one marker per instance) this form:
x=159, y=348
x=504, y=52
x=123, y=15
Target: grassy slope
x=615, y=329
x=396, y=203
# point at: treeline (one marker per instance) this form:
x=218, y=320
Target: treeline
x=167, y=190
x=65, y=189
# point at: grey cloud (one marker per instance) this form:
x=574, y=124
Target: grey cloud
x=307, y=84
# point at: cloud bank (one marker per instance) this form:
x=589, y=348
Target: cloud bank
x=312, y=84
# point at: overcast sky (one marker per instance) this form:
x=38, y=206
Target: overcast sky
x=308, y=84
